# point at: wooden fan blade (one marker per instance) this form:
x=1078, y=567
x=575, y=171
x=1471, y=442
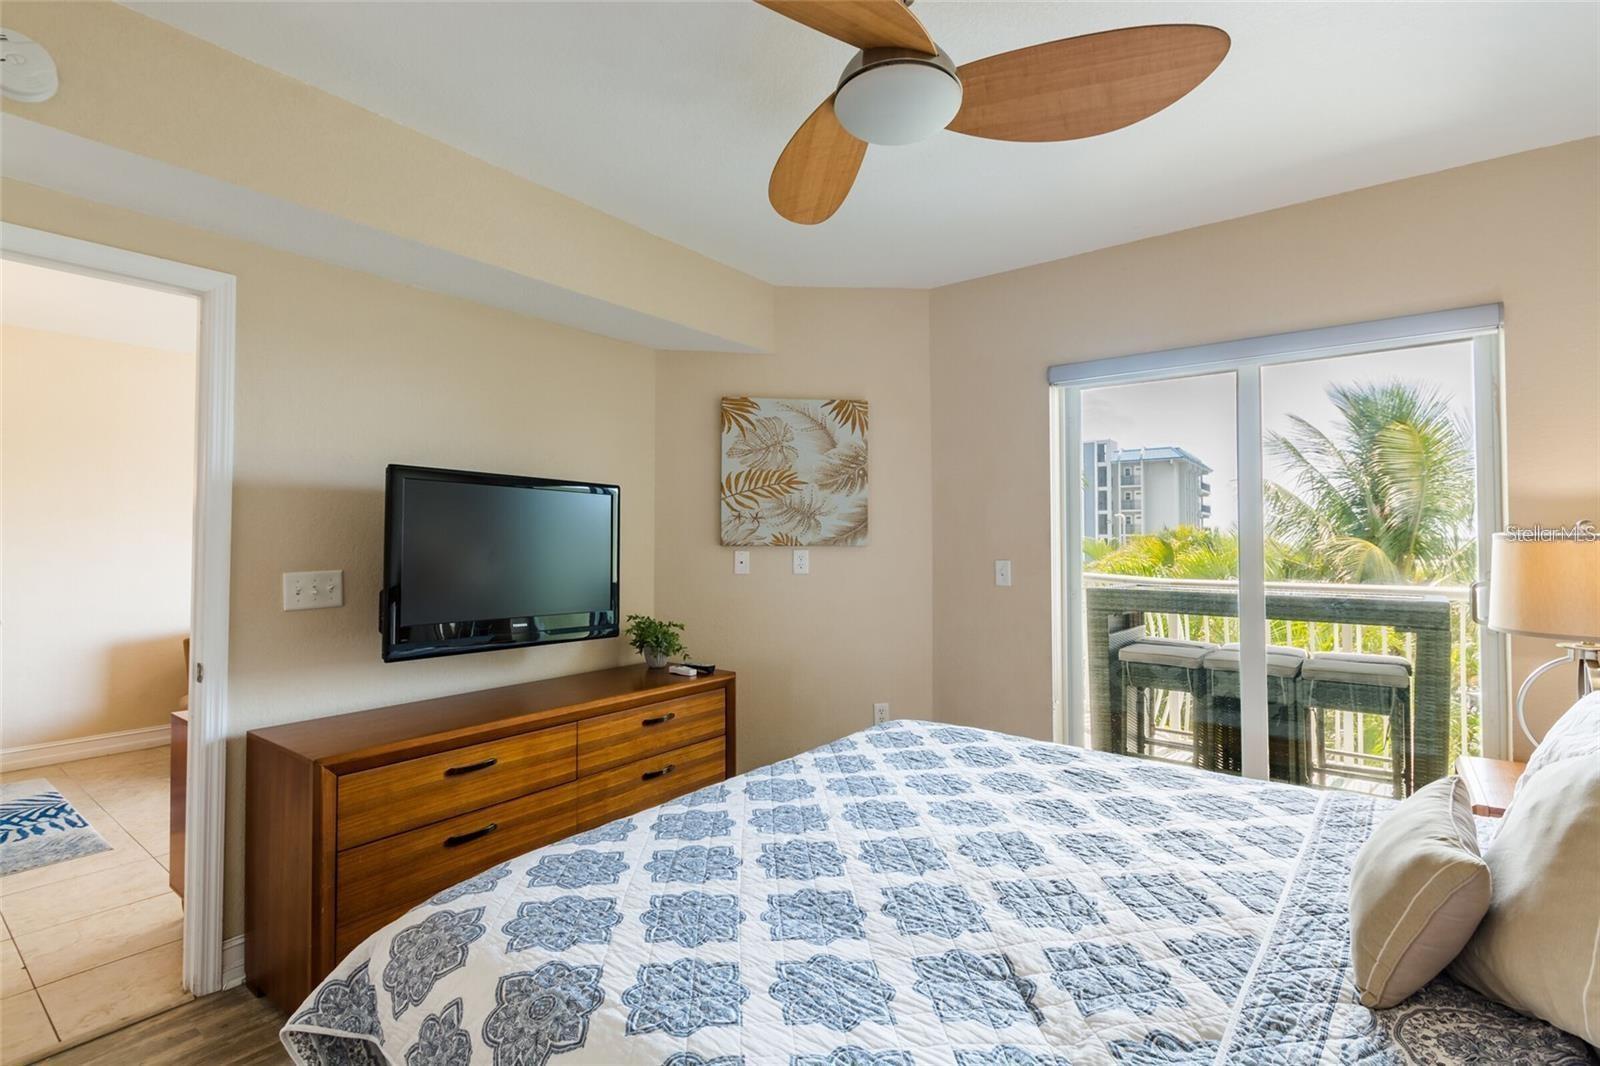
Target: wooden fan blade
x=816, y=169
x=1083, y=86
x=863, y=23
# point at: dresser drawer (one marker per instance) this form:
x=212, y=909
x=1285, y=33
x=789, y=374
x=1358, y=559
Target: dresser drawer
x=391, y=799
x=382, y=880
x=628, y=736
x=648, y=782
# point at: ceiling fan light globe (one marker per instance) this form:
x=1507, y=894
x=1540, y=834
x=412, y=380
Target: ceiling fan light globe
x=898, y=103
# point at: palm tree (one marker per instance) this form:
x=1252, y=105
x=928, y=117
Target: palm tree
x=1386, y=497
x=1183, y=551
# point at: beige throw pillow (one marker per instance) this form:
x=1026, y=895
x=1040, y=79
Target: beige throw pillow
x=1538, y=950
x=1417, y=891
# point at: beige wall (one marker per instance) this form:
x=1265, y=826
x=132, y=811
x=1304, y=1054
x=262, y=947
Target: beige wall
x=98, y=451
x=1524, y=230
x=339, y=374
x=132, y=82
x=815, y=652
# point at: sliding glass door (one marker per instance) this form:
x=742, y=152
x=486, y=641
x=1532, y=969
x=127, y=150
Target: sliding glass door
x=1160, y=565
x=1267, y=549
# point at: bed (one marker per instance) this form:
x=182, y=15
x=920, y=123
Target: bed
x=916, y=894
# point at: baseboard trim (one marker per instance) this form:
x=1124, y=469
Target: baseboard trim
x=233, y=962
x=83, y=747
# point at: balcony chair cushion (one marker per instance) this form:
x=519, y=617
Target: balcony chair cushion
x=1393, y=671
x=1418, y=890
x=1281, y=661
x=1536, y=950
x=1162, y=651
x=1123, y=637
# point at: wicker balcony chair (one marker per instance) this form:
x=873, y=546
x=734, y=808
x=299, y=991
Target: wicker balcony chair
x=1158, y=664
x=1363, y=684
x=1217, y=717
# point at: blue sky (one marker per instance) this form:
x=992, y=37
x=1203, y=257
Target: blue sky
x=1197, y=413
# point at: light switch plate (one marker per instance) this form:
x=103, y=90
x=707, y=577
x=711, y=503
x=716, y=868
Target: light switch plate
x=741, y=562
x=1002, y=573
x=308, y=590
x=802, y=561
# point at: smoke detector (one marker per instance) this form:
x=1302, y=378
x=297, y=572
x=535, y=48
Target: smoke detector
x=27, y=72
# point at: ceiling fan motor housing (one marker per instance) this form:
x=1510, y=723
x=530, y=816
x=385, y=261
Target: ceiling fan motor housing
x=897, y=95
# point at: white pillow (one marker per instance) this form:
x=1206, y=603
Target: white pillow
x=1576, y=735
x=1538, y=949
x=1418, y=890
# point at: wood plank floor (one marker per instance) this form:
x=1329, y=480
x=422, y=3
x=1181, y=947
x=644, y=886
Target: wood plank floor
x=231, y=1028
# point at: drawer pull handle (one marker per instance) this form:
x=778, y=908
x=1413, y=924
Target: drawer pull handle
x=651, y=775
x=467, y=838
x=662, y=720
x=457, y=771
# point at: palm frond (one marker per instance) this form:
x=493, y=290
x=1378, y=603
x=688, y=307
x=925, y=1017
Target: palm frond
x=1359, y=561
x=768, y=445
x=1095, y=550
x=845, y=471
x=1386, y=496
x=852, y=527
x=813, y=424
x=738, y=412
x=800, y=513
x=745, y=489
x=851, y=414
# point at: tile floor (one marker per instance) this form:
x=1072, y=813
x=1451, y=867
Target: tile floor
x=95, y=943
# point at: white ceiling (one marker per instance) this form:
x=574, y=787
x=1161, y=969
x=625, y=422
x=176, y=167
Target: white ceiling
x=38, y=297
x=670, y=115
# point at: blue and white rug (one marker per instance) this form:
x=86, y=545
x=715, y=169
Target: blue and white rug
x=39, y=827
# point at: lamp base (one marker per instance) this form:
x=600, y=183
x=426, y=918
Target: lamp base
x=1585, y=653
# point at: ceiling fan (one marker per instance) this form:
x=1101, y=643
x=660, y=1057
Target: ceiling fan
x=902, y=87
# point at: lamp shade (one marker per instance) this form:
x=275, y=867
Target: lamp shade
x=1545, y=587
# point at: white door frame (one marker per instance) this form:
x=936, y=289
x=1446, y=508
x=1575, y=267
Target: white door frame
x=206, y=793
x=1481, y=325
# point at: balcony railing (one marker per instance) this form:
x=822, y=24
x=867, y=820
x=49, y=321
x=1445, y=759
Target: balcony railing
x=1430, y=626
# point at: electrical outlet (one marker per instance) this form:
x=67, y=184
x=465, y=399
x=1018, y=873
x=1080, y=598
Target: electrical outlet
x=741, y=562
x=880, y=713
x=308, y=590
x=1002, y=573
x=802, y=561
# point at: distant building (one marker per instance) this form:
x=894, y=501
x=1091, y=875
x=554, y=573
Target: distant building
x=1141, y=490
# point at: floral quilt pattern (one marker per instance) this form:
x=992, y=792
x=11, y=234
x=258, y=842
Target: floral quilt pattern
x=915, y=895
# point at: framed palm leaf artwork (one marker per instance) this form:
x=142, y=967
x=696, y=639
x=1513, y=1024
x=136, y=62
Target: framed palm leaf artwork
x=794, y=472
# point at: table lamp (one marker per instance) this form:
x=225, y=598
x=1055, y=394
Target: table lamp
x=1547, y=585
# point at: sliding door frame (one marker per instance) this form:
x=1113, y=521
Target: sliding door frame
x=1482, y=325
x=206, y=795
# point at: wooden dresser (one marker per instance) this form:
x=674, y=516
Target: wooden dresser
x=352, y=820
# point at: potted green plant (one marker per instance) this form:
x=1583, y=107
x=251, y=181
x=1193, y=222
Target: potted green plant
x=656, y=640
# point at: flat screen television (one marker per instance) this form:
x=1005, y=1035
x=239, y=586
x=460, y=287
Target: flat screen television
x=477, y=562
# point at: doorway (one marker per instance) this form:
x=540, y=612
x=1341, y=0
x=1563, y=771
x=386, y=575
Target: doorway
x=121, y=383
x=98, y=499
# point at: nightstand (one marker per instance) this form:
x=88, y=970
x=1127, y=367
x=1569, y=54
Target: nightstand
x=1490, y=782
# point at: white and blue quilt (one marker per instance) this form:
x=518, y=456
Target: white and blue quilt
x=914, y=895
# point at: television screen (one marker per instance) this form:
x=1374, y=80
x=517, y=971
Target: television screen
x=475, y=562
